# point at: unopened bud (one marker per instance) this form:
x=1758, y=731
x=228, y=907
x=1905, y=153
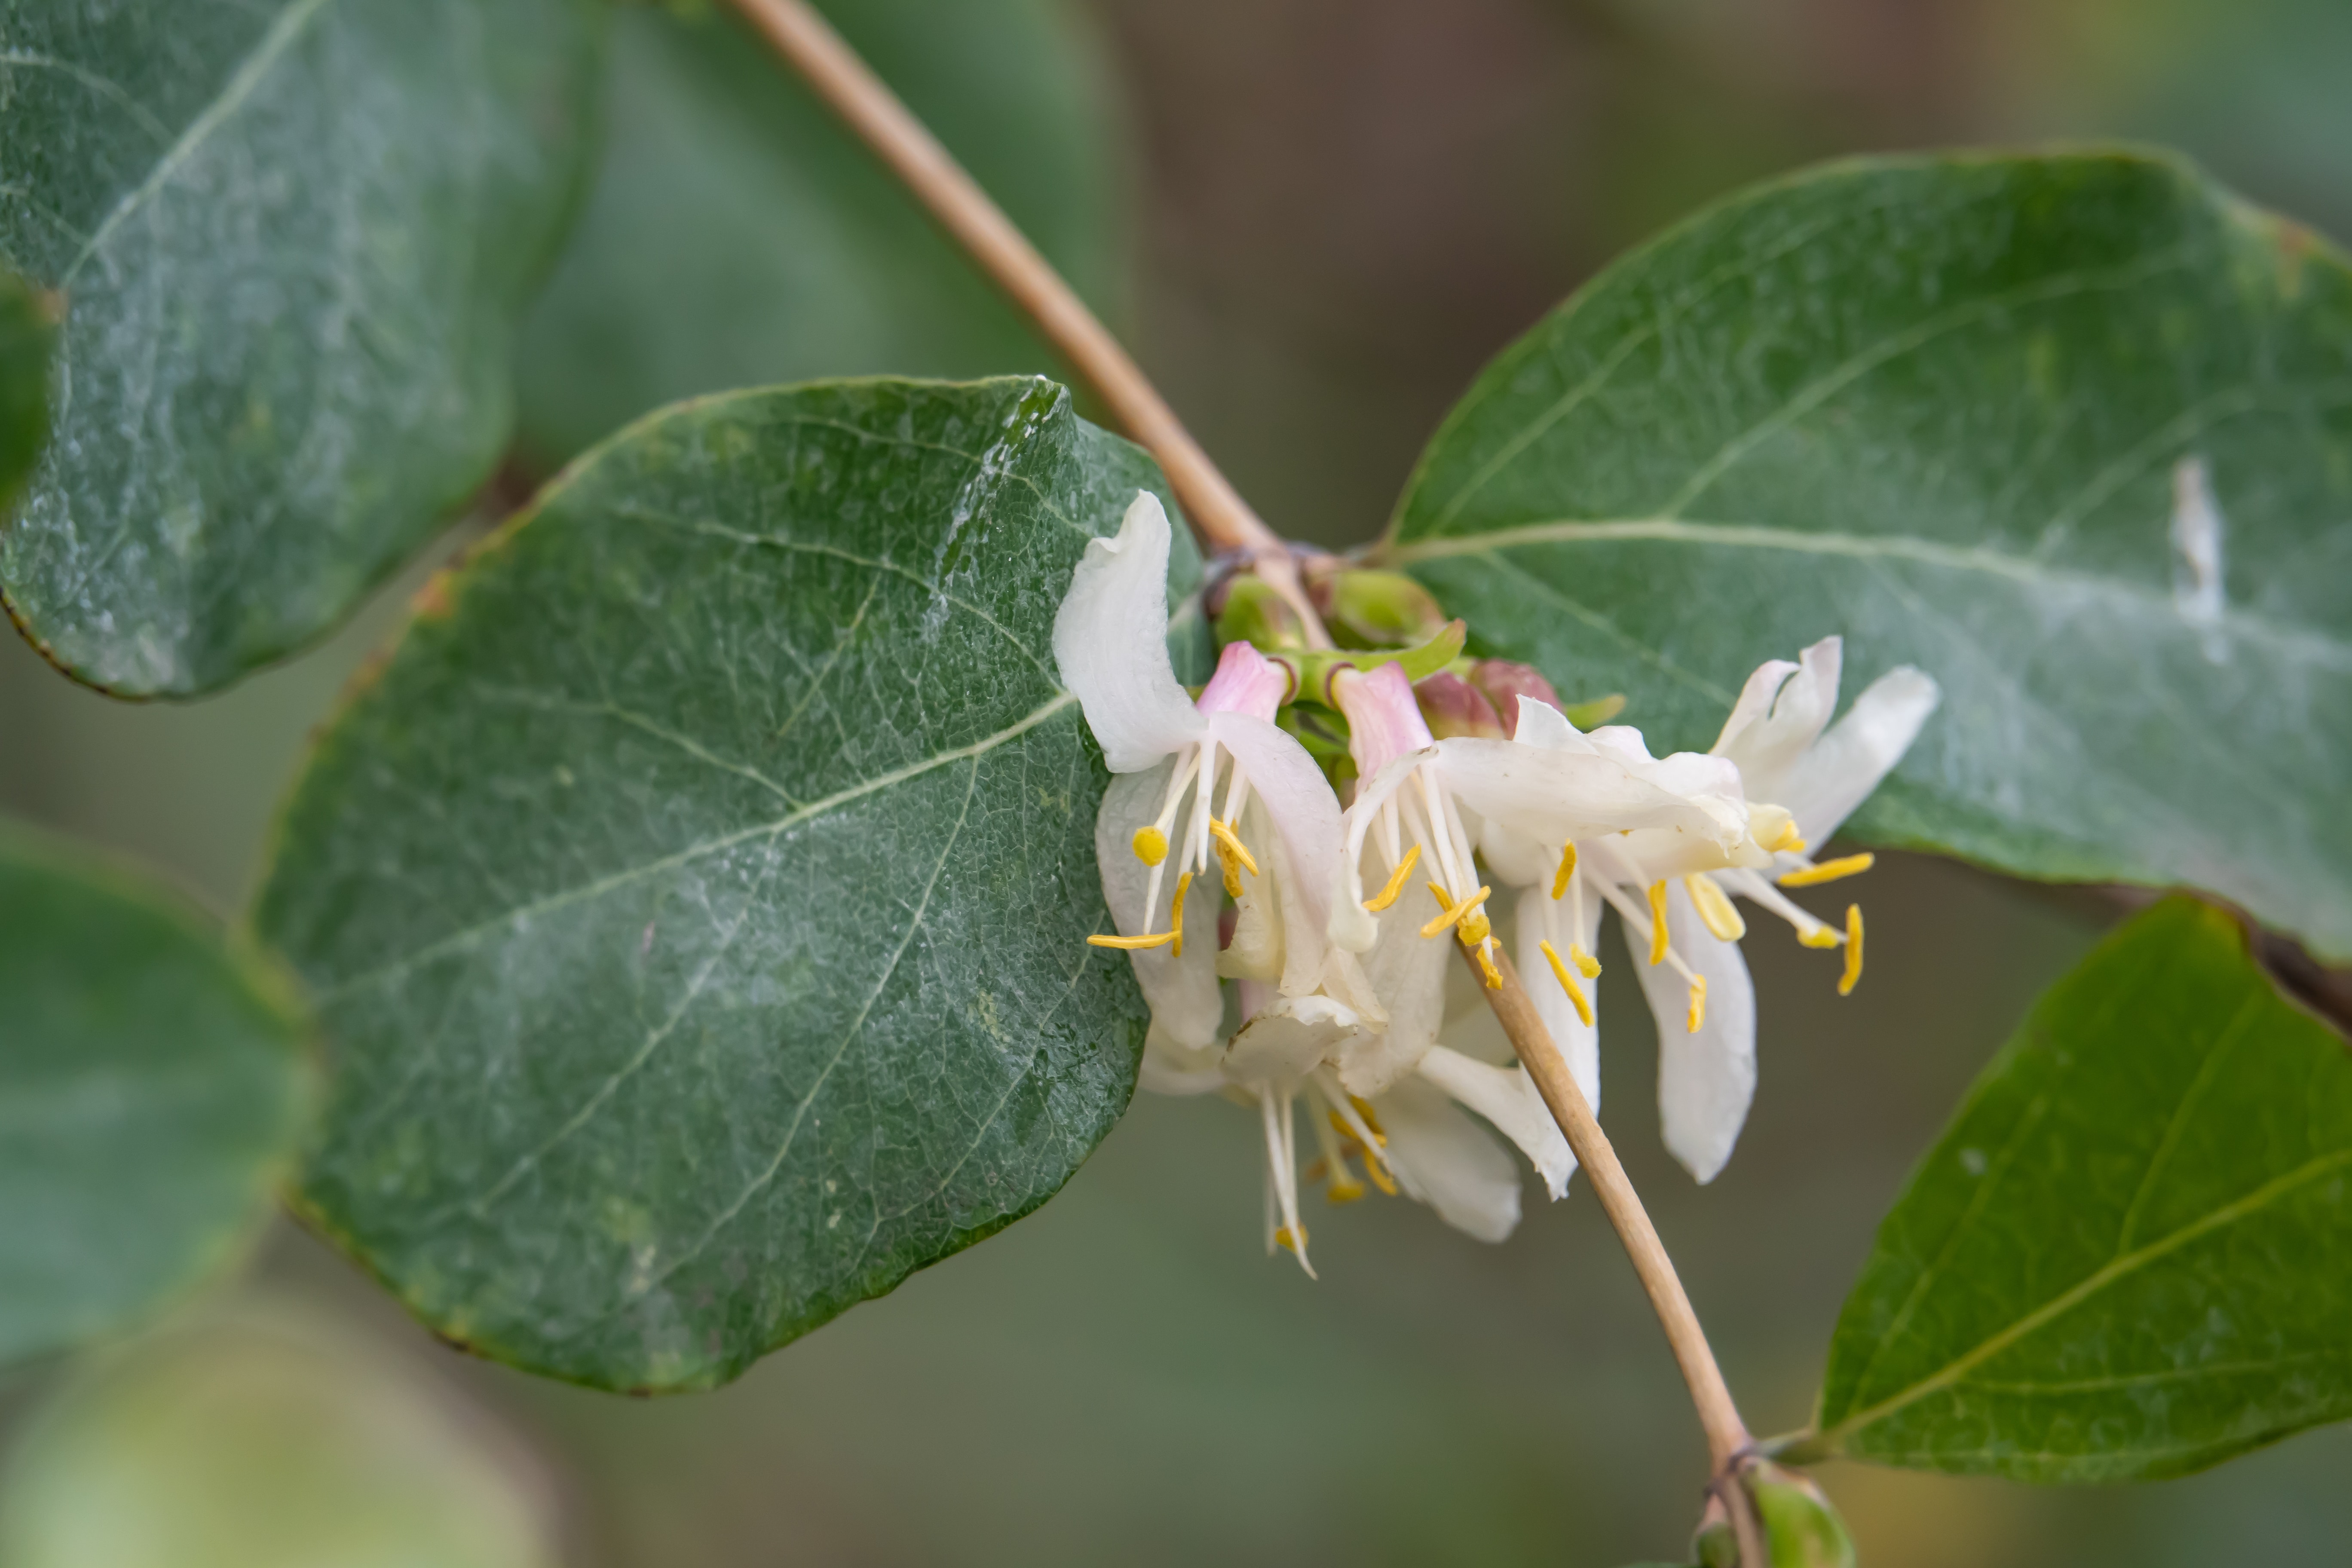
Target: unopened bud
x=1504, y=682
x=1377, y=609
x=1255, y=613
x=1452, y=706
x=1799, y=1527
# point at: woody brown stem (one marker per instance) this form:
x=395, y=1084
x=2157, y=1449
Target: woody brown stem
x=873, y=114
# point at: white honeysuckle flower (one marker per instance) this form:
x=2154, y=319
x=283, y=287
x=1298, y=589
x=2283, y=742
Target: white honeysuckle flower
x=1800, y=783
x=1275, y=836
x=1415, y=1136
x=1426, y=806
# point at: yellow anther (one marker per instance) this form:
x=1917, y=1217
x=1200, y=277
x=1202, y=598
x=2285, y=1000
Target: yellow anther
x=1788, y=843
x=1475, y=927
x=1715, y=907
x=1586, y=964
x=1454, y=913
x=1380, y=1177
x=1829, y=870
x=1820, y=936
x=1344, y=1191
x=1233, y=841
x=1567, y=983
x=1294, y=1243
x=1230, y=865
x=1657, y=923
x=1487, y=963
x=1567, y=869
x=1371, y=1118
x=1150, y=844
x=1396, y=881
x=1853, y=975
x=1698, y=1003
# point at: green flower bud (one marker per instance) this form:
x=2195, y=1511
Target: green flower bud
x=1801, y=1529
x=1255, y=613
x=1377, y=609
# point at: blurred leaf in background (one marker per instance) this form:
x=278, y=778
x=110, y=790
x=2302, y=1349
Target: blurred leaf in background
x=265, y=1434
x=291, y=240
x=737, y=236
x=151, y=1089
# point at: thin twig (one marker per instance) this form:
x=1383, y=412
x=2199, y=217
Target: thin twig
x=873, y=114
x=1727, y=1435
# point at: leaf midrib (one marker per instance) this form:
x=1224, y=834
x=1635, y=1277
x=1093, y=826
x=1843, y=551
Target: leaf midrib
x=2118, y=1267
x=256, y=64
x=2309, y=645
x=562, y=898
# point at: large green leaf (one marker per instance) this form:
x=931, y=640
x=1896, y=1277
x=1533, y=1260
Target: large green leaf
x=2131, y=1254
x=151, y=1088
x=698, y=900
x=737, y=236
x=27, y=336
x=292, y=236
x=1939, y=406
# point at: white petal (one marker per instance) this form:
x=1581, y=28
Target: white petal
x=1706, y=1079
x=1449, y=1162
x=1407, y=971
x=1288, y=1040
x=1352, y=927
x=1110, y=642
x=1577, y=1041
x=1839, y=774
x=1171, y=1069
x=1768, y=743
x=1558, y=795
x=1182, y=991
x=1507, y=1097
x=1299, y=801
x=1543, y=725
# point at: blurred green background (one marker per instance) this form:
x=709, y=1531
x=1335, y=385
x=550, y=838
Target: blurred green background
x=1314, y=219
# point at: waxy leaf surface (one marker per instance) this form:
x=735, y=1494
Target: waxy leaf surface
x=698, y=900
x=2131, y=1254
x=736, y=236
x=1948, y=407
x=291, y=237
x=151, y=1090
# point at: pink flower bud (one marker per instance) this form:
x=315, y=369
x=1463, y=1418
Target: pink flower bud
x=1504, y=682
x=1247, y=682
x=1452, y=706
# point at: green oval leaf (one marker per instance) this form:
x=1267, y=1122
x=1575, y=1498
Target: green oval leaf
x=27, y=336
x=698, y=900
x=2129, y=1258
x=151, y=1090
x=292, y=238
x=738, y=237
x=1945, y=407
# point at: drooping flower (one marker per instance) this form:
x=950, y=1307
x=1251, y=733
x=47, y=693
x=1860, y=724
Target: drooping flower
x=1274, y=834
x=1677, y=908
x=1428, y=806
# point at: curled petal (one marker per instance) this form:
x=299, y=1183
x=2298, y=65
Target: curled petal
x=1827, y=782
x=1780, y=713
x=1449, y=1162
x=1289, y=1039
x=1110, y=643
x=1707, y=1077
x=1181, y=990
x=1171, y=1069
x=1507, y=1097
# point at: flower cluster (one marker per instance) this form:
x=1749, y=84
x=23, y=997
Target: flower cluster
x=1333, y=923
